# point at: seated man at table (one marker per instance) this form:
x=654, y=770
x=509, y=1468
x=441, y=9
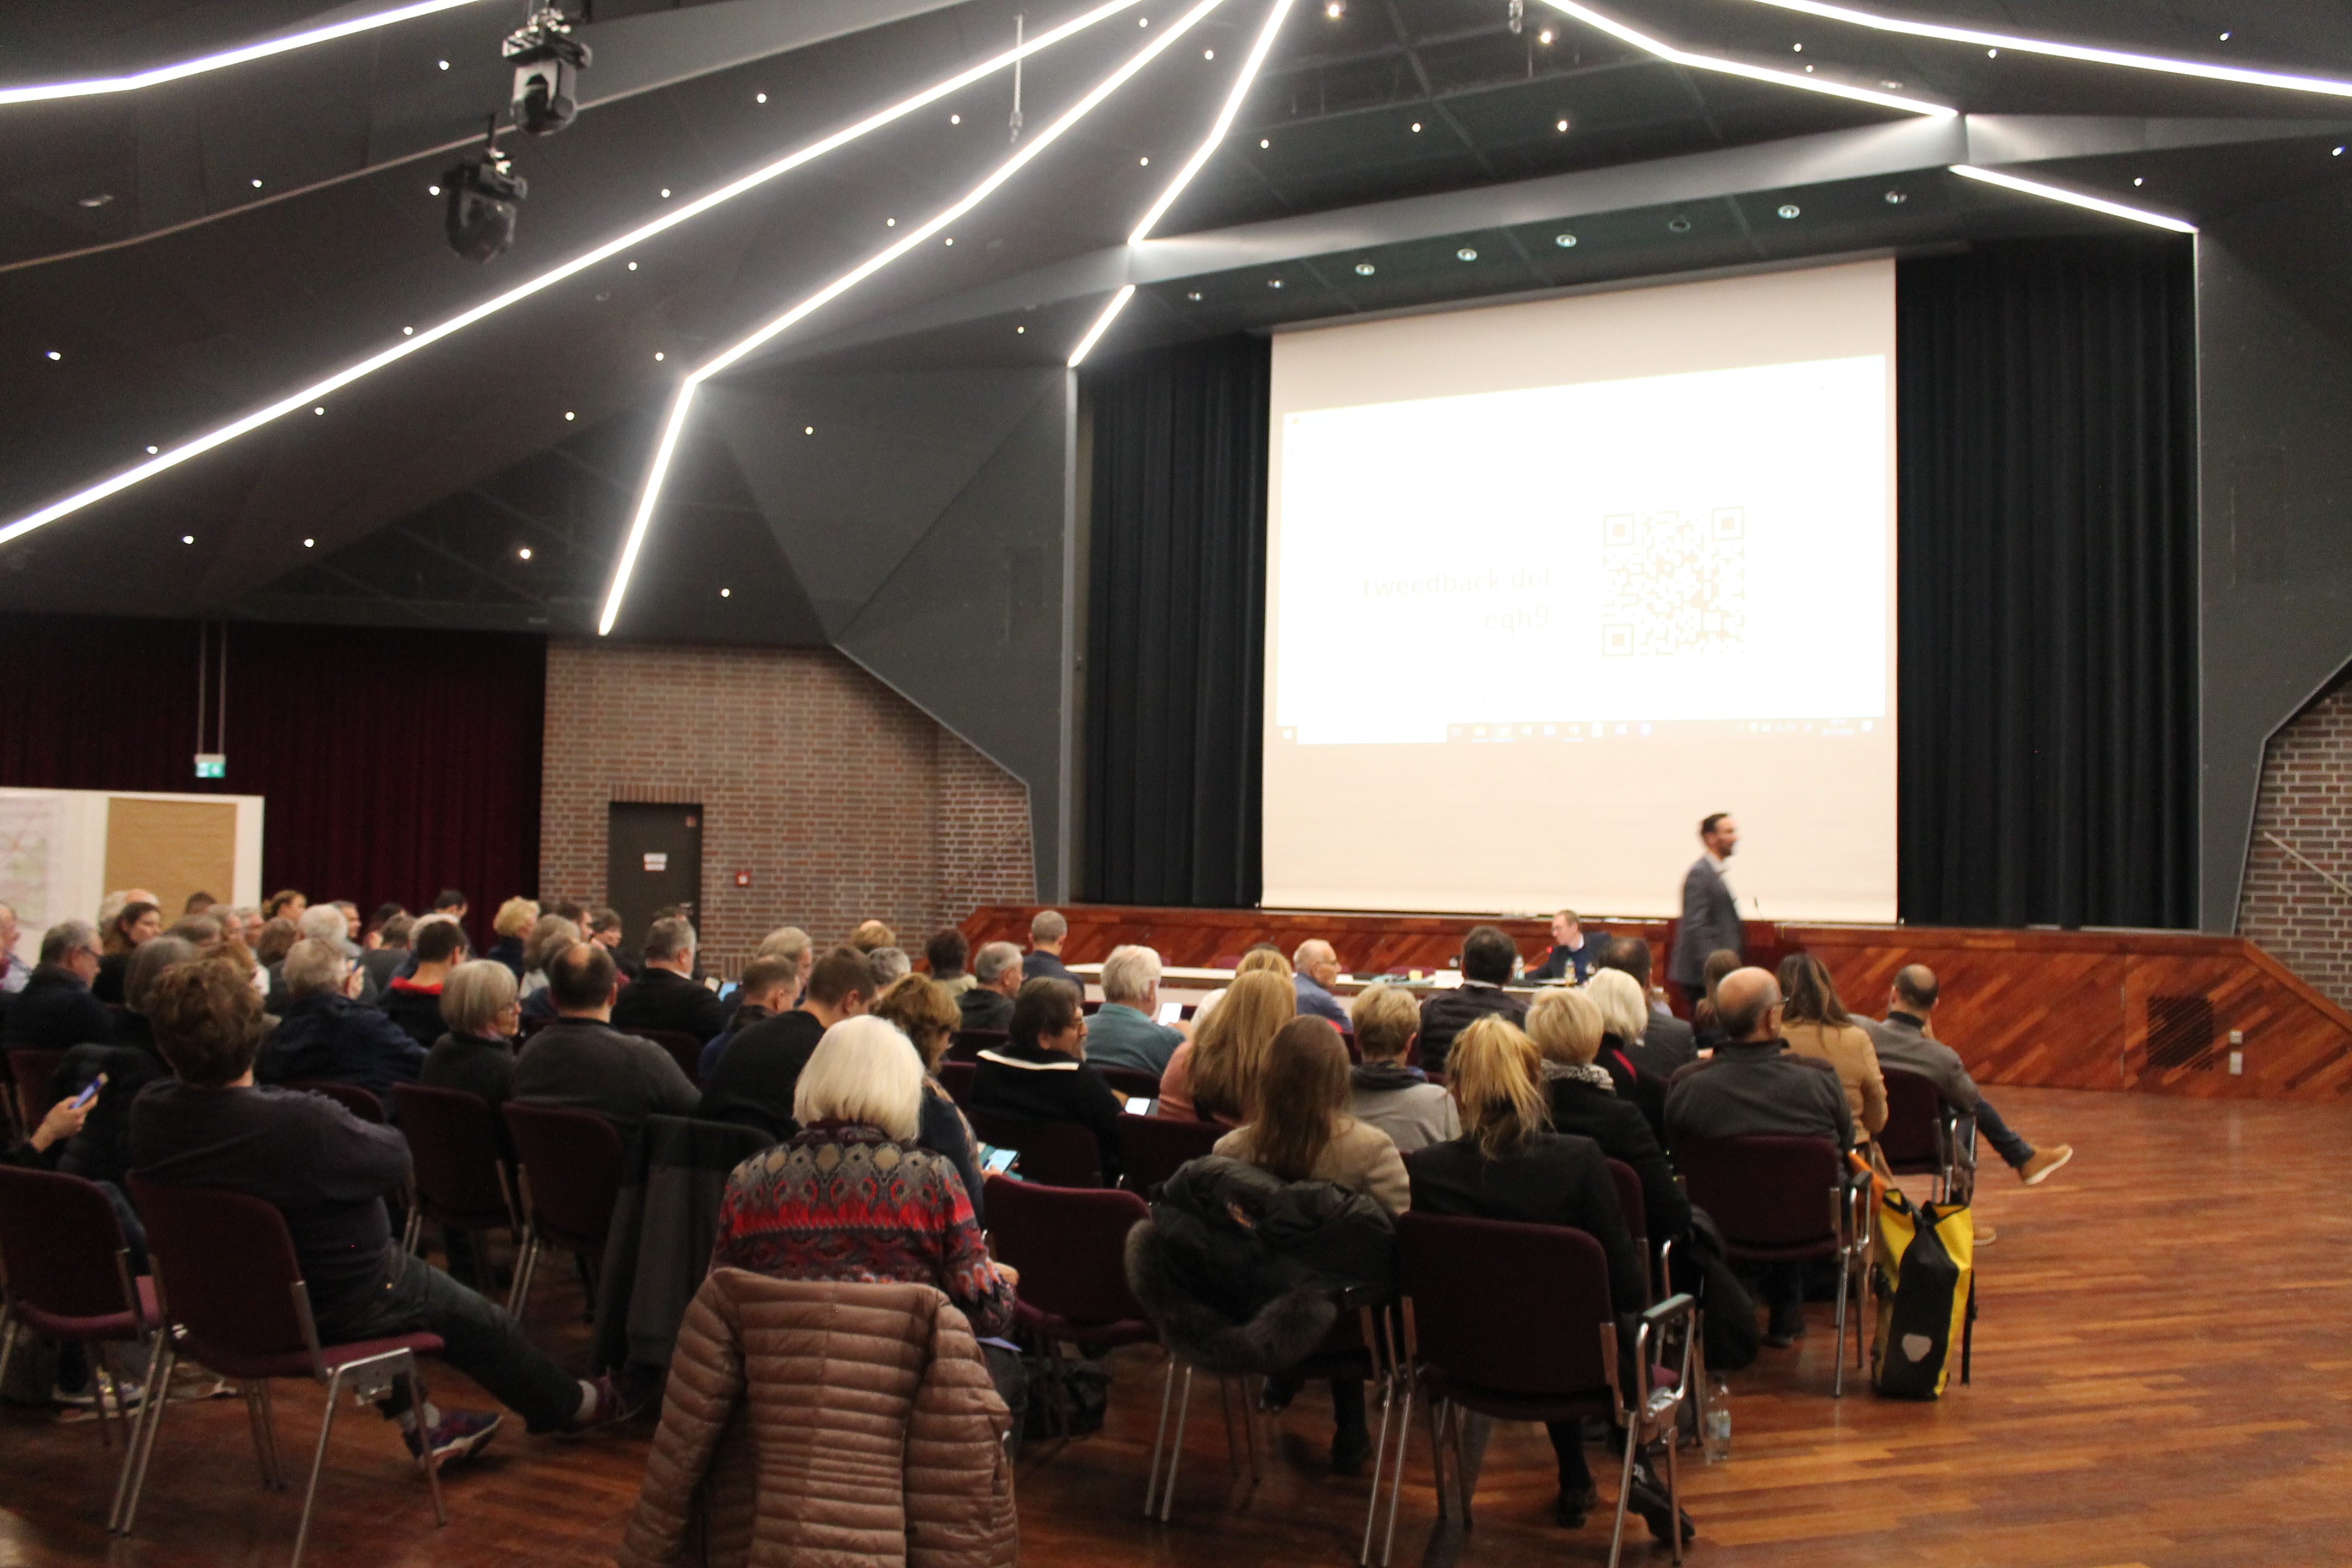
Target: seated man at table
x=1124, y=1033
x=1755, y=1087
x=996, y=974
x=1571, y=955
x=1041, y=1074
x=327, y=1171
x=1904, y=1043
x=1486, y=959
x=580, y=1062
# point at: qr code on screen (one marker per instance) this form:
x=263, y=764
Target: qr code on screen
x=1677, y=582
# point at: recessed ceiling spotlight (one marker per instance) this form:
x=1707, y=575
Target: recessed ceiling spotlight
x=1789, y=209
x=1193, y=295
x=1143, y=21
x=408, y=332
x=1144, y=163
x=431, y=190
x=955, y=119
x=153, y=451
x=445, y=64
x=321, y=408
x=1894, y=86
x=98, y=200
x=665, y=193
x=2225, y=37
x=633, y=267
x=948, y=240
x=1018, y=331
x=1211, y=54
x=1992, y=54
x=309, y=544
x=808, y=430
x=1335, y=9
x=1896, y=198
x=1545, y=37
x=1364, y=269
x=257, y=184
x=889, y=223
x=1808, y=70
x=524, y=552
x=1565, y=241
x=1678, y=224
x=1265, y=142
x=2338, y=153
x=1465, y=254
x=657, y=356
x=1559, y=125
x=187, y=539
x=1274, y=282
x=568, y=416
x=1800, y=49
x=1416, y=127
x=759, y=98
x=2138, y=180
x=55, y=356
x=726, y=593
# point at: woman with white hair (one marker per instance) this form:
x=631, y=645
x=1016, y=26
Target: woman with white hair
x=852, y=1196
x=1625, y=1015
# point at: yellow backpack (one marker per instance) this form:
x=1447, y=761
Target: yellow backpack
x=1925, y=1266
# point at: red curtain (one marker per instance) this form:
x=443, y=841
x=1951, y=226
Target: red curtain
x=394, y=762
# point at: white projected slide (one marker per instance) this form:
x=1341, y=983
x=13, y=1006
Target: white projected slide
x=1549, y=583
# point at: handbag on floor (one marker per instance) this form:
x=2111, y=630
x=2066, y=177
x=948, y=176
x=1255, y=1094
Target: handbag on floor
x=1925, y=1260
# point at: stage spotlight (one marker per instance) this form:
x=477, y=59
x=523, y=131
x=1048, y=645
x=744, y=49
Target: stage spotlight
x=485, y=196
x=548, y=61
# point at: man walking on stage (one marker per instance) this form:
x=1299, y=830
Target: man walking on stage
x=1710, y=914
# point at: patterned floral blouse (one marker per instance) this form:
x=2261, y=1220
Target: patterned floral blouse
x=842, y=1201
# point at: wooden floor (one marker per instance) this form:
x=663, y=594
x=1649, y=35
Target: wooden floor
x=2164, y=1377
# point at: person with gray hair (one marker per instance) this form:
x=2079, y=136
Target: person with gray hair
x=328, y=1035
x=888, y=963
x=1124, y=1033
x=996, y=975
x=1315, y=969
x=326, y=925
x=55, y=1011
x=478, y=1003
x=1047, y=930
x=666, y=995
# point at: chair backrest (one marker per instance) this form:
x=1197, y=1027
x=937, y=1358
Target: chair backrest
x=453, y=1147
x=60, y=1238
x=571, y=1162
x=1129, y=1082
x=1541, y=1336
x=965, y=1045
x=683, y=1048
x=1056, y=1154
x=1151, y=1147
x=1636, y=1209
x=1070, y=1246
x=1764, y=1192
x=31, y=1071
x=361, y=1102
x=225, y=1266
x=1915, y=1114
x=956, y=1078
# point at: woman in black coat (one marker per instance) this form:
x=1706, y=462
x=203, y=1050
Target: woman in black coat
x=1566, y=1027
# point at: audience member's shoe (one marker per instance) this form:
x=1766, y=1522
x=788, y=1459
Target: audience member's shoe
x=459, y=1434
x=1276, y=1396
x=1786, y=1328
x=127, y=1396
x=1574, y=1503
x=1350, y=1446
x=1650, y=1500
x=2045, y=1165
x=1986, y=1236
x=616, y=1402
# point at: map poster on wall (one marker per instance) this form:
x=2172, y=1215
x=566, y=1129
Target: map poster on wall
x=32, y=836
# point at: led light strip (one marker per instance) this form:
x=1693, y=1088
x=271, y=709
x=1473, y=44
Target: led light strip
x=1209, y=144
x=1102, y=323
x=95, y=86
x=196, y=447
x=2066, y=51
x=2074, y=198
x=682, y=404
x=1680, y=57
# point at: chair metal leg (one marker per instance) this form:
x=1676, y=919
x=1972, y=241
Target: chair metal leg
x=1249, y=1426
x=7, y=1339
x=319, y=1462
x=1160, y=1437
x=1438, y=1409
x=265, y=1443
x=1379, y=1464
x=1466, y=1485
x=1675, y=1497
x=415, y=1228
x=142, y=1443
x=425, y=1447
x=525, y=1262
x=1626, y=1495
x=1396, y=1472
x=1837, y=1382
x=1184, y=1409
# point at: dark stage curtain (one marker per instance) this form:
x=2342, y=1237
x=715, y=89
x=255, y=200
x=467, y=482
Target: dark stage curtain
x=393, y=763
x=1175, y=625
x=2048, y=574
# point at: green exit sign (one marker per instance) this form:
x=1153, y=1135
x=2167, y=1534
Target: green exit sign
x=212, y=765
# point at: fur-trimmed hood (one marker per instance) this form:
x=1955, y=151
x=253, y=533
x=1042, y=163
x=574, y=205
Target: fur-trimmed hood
x=1281, y=1333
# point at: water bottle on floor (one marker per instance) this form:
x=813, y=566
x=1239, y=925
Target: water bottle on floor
x=1716, y=1438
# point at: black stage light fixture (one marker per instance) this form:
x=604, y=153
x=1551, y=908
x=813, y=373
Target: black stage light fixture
x=548, y=61
x=485, y=196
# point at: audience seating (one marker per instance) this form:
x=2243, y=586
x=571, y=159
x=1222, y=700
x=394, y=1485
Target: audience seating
x=32, y=1072
x=1130, y=1082
x=460, y=1178
x=361, y=1102
x=683, y=1048
x=1069, y=1247
x=228, y=1283
x=1636, y=1210
x=1546, y=1350
x=1056, y=1153
x=1926, y=1137
x=1787, y=1199
x=568, y=1168
x=956, y=1078
x=1151, y=1147
x=65, y=1275
x=965, y=1045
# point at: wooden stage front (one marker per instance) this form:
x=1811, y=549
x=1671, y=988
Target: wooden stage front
x=2156, y=1376
x=2087, y=1009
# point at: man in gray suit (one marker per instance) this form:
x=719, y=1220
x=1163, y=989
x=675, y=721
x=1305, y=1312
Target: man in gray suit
x=1710, y=915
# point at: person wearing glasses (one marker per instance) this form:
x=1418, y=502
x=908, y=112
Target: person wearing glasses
x=328, y=1035
x=55, y=1011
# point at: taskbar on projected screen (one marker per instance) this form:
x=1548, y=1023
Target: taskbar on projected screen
x=1586, y=732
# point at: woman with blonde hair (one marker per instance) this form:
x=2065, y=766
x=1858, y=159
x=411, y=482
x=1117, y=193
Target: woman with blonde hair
x=925, y=1011
x=512, y=923
x=1263, y=958
x=1214, y=1076
x=1625, y=1012
x=1509, y=1164
x=1814, y=1023
x=1583, y=1098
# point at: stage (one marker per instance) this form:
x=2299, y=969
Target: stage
x=2161, y=1012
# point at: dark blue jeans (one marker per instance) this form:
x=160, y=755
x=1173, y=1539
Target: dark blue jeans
x=2012, y=1150
x=479, y=1338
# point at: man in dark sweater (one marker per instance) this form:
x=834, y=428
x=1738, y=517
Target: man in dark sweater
x=1753, y=1087
x=1047, y=931
x=996, y=974
x=759, y=1072
x=329, y=1036
x=54, y=1011
x=1573, y=951
x=581, y=1062
x=666, y=995
x=1486, y=959
x=327, y=1171
x=1040, y=1075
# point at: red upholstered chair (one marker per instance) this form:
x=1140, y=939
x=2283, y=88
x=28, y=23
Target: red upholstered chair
x=1130, y=1082
x=1636, y=1210
x=228, y=1283
x=1053, y=1153
x=683, y=1048
x=458, y=1178
x=965, y=1045
x=956, y=1078
x=1926, y=1137
x=568, y=1166
x=361, y=1102
x=1069, y=1246
x=1151, y=1147
x=1787, y=1199
x=1544, y=1350
x=31, y=1071
x=65, y=1274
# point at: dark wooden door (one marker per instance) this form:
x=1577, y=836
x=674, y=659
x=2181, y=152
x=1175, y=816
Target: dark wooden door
x=654, y=859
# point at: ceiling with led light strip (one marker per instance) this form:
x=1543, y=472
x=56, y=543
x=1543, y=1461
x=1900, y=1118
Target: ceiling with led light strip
x=1325, y=200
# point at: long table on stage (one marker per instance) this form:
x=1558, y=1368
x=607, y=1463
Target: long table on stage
x=2167, y=1012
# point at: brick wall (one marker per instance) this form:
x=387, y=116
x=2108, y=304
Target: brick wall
x=2306, y=800
x=843, y=800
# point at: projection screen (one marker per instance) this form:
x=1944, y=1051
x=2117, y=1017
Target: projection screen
x=1549, y=583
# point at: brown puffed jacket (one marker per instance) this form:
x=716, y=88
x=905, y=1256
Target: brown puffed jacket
x=816, y=1423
